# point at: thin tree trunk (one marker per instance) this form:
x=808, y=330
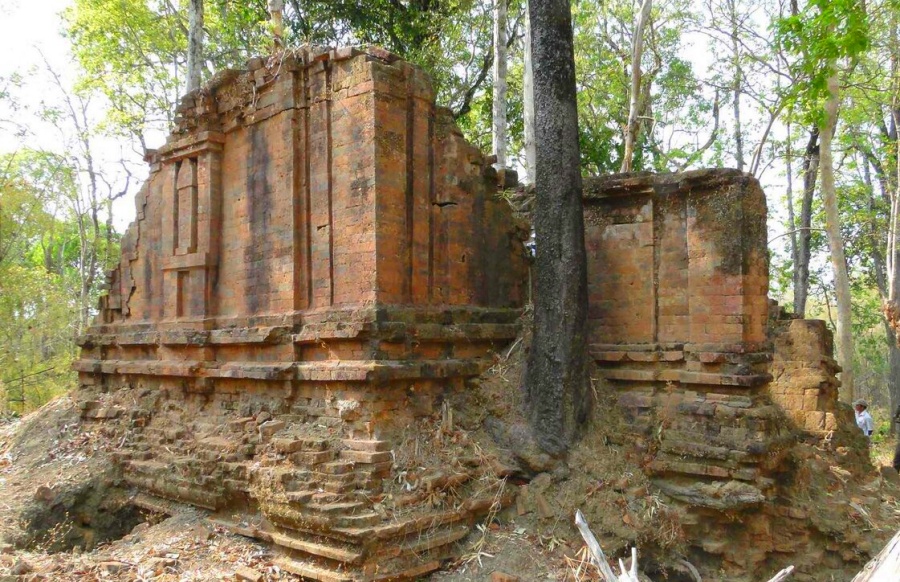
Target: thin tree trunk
x=499, y=113
x=836, y=243
x=891, y=305
x=736, y=88
x=528, y=104
x=875, y=236
x=556, y=383
x=792, y=218
x=632, y=128
x=893, y=379
x=195, y=44
x=276, y=12
x=804, y=252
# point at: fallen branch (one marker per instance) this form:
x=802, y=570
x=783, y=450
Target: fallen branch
x=783, y=575
x=690, y=568
x=885, y=565
x=599, y=558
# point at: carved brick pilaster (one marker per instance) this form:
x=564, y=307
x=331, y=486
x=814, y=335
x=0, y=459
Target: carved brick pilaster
x=190, y=230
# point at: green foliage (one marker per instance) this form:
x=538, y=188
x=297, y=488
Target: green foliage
x=39, y=284
x=671, y=94
x=134, y=52
x=36, y=336
x=882, y=432
x=823, y=33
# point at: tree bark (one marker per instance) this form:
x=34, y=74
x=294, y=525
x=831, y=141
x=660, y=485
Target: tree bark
x=836, y=243
x=632, y=128
x=891, y=306
x=556, y=385
x=892, y=283
x=528, y=104
x=804, y=252
x=893, y=380
x=195, y=44
x=880, y=268
x=499, y=111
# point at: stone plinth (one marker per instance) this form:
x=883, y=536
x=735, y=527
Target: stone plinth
x=318, y=257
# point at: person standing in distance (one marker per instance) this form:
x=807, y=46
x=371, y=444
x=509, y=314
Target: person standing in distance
x=863, y=418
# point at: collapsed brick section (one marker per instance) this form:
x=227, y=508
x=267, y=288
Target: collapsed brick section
x=803, y=376
x=714, y=390
x=318, y=258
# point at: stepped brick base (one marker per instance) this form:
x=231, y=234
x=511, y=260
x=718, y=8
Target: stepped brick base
x=319, y=259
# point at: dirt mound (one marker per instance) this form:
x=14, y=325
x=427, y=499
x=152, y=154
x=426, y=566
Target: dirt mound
x=61, y=491
x=67, y=515
x=64, y=514
x=833, y=512
x=602, y=476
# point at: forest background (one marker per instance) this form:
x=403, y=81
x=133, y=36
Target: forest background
x=805, y=95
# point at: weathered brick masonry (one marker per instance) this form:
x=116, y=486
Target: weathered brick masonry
x=678, y=314
x=318, y=257
x=716, y=387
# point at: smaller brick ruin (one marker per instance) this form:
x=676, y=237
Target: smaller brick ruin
x=678, y=314
x=715, y=382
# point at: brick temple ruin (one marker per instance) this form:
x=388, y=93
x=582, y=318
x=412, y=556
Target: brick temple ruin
x=319, y=259
x=718, y=381
x=318, y=255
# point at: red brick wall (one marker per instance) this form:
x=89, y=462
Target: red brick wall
x=673, y=303
x=331, y=182
x=619, y=243
x=318, y=255
x=677, y=259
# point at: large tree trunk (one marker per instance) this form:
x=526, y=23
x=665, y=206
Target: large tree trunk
x=558, y=397
x=801, y=267
x=499, y=117
x=528, y=104
x=891, y=307
x=893, y=380
x=836, y=243
x=195, y=44
x=881, y=281
x=892, y=302
x=632, y=127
